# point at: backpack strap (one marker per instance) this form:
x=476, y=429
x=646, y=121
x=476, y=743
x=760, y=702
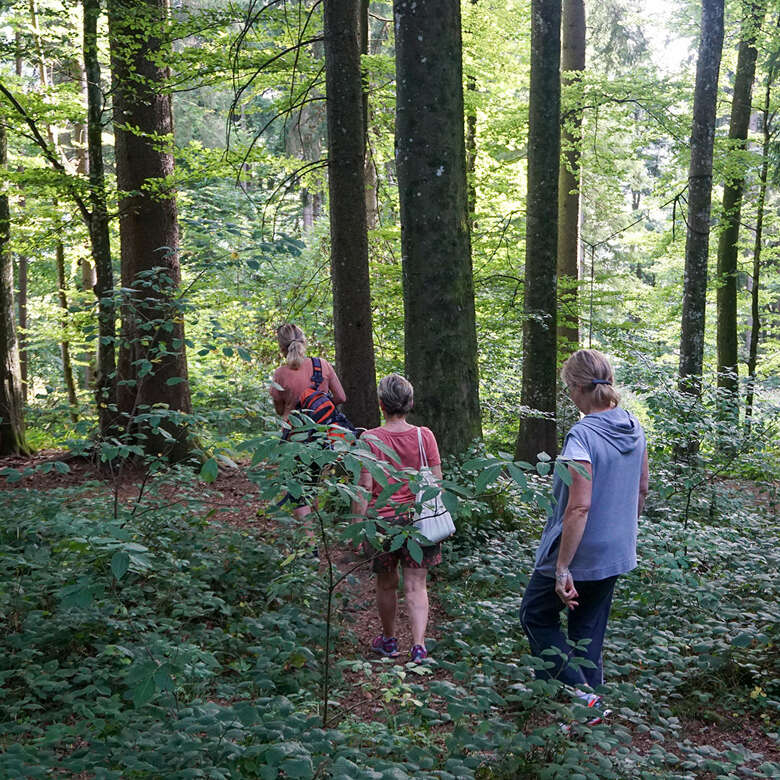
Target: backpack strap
x=316, y=375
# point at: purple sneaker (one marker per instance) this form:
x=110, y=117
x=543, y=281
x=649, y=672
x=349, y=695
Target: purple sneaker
x=386, y=646
x=418, y=654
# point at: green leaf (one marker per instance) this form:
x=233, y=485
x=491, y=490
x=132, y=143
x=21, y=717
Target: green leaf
x=209, y=471
x=144, y=692
x=562, y=470
x=120, y=563
x=414, y=550
x=175, y=380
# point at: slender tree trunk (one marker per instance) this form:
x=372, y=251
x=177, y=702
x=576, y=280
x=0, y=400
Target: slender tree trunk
x=152, y=364
x=346, y=184
x=371, y=177
x=699, y=202
x=100, y=242
x=471, y=146
x=537, y=430
x=81, y=137
x=728, y=379
x=755, y=315
x=22, y=263
x=439, y=321
x=570, y=177
x=12, y=437
x=22, y=336
x=67, y=366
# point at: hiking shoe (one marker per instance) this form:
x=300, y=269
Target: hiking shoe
x=418, y=654
x=599, y=711
x=386, y=646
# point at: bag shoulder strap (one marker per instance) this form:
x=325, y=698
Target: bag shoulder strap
x=316, y=375
x=423, y=458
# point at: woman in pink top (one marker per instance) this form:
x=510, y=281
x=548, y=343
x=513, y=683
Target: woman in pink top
x=295, y=376
x=396, y=398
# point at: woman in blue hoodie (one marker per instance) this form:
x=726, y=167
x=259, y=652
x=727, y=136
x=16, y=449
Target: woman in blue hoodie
x=590, y=535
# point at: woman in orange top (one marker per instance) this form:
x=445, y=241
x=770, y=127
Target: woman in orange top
x=295, y=376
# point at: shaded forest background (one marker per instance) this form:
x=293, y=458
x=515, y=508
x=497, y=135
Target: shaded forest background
x=461, y=193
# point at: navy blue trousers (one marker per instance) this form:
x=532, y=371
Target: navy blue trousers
x=540, y=615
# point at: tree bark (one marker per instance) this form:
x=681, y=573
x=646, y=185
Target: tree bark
x=67, y=366
x=537, y=430
x=22, y=335
x=372, y=180
x=12, y=436
x=100, y=242
x=152, y=364
x=352, y=322
x=699, y=202
x=728, y=378
x=569, y=179
x=439, y=321
x=755, y=315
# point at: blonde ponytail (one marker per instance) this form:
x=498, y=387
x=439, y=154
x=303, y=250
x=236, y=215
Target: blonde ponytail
x=591, y=370
x=292, y=344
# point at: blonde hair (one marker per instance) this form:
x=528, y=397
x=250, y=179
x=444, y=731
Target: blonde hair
x=292, y=344
x=591, y=370
x=396, y=394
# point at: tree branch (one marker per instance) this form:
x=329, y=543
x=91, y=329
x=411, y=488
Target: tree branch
x=47, y=152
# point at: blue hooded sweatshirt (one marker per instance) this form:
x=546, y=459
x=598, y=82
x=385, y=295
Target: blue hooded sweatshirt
x=614, y=443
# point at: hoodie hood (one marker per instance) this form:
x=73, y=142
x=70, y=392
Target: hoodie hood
x=616, y=427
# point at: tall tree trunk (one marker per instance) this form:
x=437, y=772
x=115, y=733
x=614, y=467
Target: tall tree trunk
x=12, y=438
x=100, y=242
x=471, y=146
x=67, y=366
x=152, y=364
x=22, y=261
x=699, y=201
x=371, y=177
x=728, y=380
x=346, y=185
x=81, y=136
x=755, y=316
x=537, y=433
x=439, y=322
x=569, y=178
x=22, y=335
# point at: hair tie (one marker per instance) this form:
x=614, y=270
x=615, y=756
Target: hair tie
x=600, y=382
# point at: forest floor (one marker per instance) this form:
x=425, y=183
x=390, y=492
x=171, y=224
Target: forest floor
x=234, y=498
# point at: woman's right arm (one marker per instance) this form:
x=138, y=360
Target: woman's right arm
x=334, y=387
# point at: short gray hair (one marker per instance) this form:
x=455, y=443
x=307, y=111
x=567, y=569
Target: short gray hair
x=396, y=394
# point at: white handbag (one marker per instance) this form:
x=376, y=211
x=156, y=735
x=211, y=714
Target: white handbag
x=431, y=518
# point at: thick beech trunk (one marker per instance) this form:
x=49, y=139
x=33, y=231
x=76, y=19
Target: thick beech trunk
x=439, y=322
x=346, y=186
x=537, y=430
x=67, y=365
x=152, y=364
x=569, y=179
x=100, y=243
x=12, y=439
x=755, y=315
x=699, y=199
x=732, y=209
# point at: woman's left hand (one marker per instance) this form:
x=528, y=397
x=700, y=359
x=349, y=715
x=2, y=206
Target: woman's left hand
x=564, y=587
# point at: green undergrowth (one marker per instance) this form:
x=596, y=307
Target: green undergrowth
x=152, y=639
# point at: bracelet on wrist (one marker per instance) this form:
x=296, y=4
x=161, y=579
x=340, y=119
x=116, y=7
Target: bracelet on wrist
x=563, y=574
